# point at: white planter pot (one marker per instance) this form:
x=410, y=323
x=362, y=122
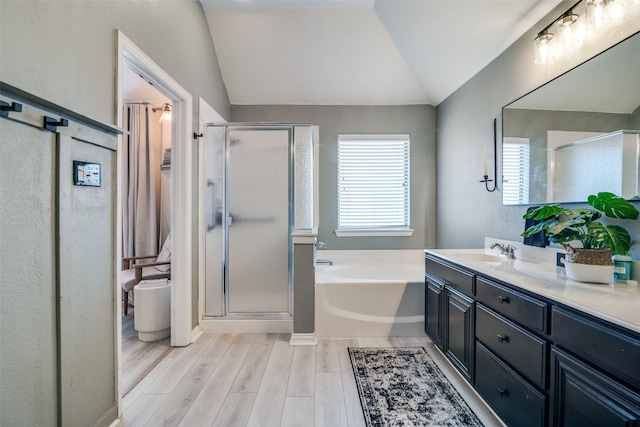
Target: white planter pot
x=589, y=273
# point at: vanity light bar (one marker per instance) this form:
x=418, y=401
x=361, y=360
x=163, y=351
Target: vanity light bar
x=569, y=25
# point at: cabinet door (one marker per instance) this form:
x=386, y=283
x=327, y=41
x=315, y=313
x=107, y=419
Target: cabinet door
x=459, y=331
x=432, y=311
x=582, y=396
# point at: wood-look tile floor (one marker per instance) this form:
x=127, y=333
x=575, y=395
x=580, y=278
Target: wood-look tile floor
x=259, y=380
x=138, y=358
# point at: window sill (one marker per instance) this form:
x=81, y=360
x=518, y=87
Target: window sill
x=375, y=233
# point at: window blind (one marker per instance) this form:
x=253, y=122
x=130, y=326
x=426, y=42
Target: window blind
x=373, y=182
x=515, y=171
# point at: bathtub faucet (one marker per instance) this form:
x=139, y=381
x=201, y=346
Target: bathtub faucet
x=323, y=246
x=508, y=250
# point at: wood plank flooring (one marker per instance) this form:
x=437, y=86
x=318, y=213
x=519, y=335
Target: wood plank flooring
x=138, y=357
x=230, y=380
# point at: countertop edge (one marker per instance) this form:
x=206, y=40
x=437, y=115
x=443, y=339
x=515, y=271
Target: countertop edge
x=553, y=288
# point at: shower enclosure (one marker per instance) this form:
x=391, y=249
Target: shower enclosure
x=258, y=190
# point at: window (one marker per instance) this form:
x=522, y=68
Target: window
x=373, y=185
x=515, y=171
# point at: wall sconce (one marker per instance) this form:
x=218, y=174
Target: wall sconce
x=486, y=179
x=166, y=113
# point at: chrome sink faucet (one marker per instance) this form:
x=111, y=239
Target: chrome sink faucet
x=505, y=250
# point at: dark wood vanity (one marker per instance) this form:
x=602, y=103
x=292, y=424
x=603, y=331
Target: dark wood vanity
x=535, y=361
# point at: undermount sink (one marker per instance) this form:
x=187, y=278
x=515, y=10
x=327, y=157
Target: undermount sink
x=517, y=263
x=471, y=256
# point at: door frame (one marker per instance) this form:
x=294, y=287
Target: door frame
x=181, y=191
x=206, y=115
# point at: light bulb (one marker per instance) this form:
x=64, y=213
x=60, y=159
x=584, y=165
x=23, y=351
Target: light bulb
x=542, y=48
x=596, y=14
x=566, y=30
x=166, y=114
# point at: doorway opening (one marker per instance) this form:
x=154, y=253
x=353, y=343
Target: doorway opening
x=130, y=57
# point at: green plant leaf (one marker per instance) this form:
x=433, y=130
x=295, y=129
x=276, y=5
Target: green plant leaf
x=613, y=237
x=613, y=206
x=544, y=212
x=566, y=235
x=534, y=229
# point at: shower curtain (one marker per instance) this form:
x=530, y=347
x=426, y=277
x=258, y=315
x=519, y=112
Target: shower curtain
x=141, y=179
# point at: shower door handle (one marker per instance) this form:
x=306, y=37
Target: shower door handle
x=229, y=220
x=212, y=219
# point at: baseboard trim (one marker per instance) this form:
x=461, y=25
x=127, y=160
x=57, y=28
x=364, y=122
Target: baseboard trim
x=246, y=325
x=303, y=339
x=195, y=333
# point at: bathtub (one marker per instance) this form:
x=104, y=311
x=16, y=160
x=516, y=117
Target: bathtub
x=370, y=294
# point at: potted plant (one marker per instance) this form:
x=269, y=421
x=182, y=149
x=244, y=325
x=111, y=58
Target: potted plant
x=592, y=262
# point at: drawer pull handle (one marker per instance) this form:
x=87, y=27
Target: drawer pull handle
x=503, y=300
x=503, y=338
x=504, y=392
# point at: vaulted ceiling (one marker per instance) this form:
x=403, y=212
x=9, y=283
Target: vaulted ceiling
x=360, y=52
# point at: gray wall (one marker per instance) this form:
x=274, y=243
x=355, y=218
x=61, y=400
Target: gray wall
x=416, y=120
x=635, y=119
x=66, y=53
x=466, y=212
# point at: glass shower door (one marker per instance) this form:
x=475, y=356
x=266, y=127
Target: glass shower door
x=257, y=221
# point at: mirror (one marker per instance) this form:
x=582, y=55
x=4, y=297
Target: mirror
x=578, y=134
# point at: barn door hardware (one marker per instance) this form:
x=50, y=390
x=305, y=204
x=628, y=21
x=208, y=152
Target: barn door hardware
x=51, y=124
x=5, y=107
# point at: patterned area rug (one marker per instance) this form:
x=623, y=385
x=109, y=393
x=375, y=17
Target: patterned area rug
x=404, y=387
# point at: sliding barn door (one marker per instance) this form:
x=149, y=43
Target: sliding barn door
x=28, y=361
x=86, y=250
x=57, y=270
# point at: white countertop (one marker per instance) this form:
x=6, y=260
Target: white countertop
x=615, y=302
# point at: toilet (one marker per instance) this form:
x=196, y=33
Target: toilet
x=153, y=309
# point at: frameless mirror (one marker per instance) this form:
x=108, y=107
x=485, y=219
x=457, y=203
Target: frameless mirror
x=578, y=134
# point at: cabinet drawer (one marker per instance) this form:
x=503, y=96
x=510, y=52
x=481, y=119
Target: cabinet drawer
x=513, y=304
x=521, y=349
x=612, y=350
x=511, y=397
x=454, y=276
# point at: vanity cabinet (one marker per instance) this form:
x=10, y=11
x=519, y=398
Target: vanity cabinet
x=450, y=313
x=534, y=360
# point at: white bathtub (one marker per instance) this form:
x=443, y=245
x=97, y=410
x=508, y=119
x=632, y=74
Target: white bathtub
x=365, y=294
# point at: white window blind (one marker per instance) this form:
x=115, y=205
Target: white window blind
x=515, y=171
x=373, y=182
